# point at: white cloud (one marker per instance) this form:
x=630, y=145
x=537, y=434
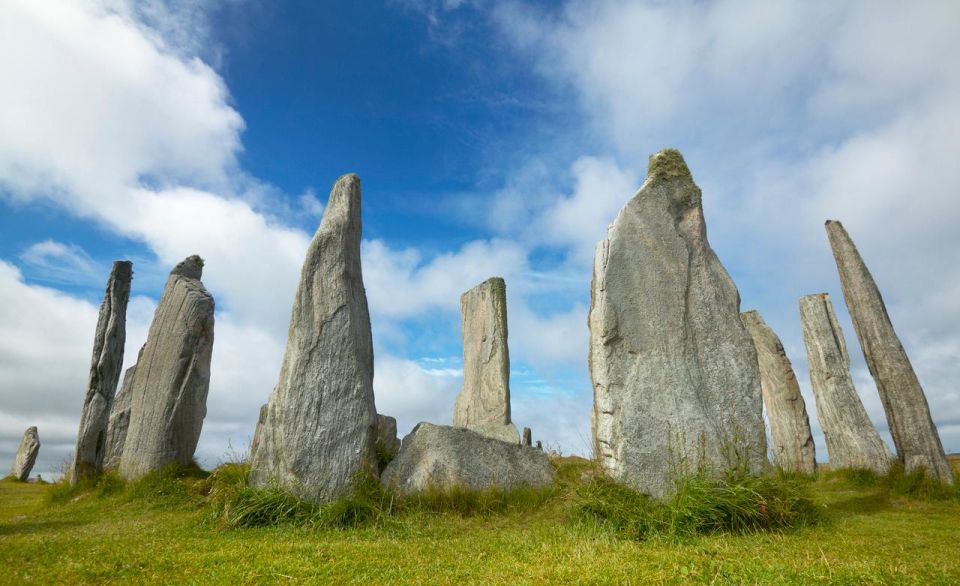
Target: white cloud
x=59, y=261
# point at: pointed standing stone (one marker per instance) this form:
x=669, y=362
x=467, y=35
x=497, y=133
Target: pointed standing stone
x=168, y=399
x=108, y=343
x=319, y=429
x=852, y=440
x=793, y=448
x=119, y=420
x=527, y=436
x=483, y=404
x=914, y=434
x=26, y=455
x=675, y=377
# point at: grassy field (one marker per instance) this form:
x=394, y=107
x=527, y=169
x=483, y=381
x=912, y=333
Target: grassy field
x=868, y=534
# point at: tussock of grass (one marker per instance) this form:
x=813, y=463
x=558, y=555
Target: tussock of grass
x=916, y=485
x=736, y=504
x=175, y=484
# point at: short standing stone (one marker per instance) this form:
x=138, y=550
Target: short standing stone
x=483, y=404
x=26, y=455
x=852, y=440
x=438, y=456
x=388, y=444
x=119, y=420
x=319, y=430
x=527, y=436
x=914, y=434
x=105, y=366
x=675, y=377
x=539, y=445
x=793, y=448
x=169, y=391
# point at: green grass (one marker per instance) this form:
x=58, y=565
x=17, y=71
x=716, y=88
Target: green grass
x=170, y=529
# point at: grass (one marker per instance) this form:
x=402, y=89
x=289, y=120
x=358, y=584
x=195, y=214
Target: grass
x=171, y=528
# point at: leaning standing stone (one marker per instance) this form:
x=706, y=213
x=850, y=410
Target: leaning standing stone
x=852, y=440
x=26, y=455
x=675, y=378
x=483, y=404
x=914, y=434
x=169, y=391
x=793, y=448
x=319, y=429
x=108, y=343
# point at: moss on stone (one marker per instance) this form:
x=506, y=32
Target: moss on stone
x=668, y=164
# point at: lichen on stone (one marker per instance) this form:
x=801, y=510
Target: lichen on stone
x=668, y=164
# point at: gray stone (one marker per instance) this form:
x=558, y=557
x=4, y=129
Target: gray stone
x=119, y=420
x=169, y=391
x=105, y=367
x=539, y=445
x=319, y=430
x=483, y=404
x=793, y=448
x=443, y=457
x=675, y=377
x=908, y=415
x=26, y=455
x=527, y=436
x=388, y=444
x=852, y=440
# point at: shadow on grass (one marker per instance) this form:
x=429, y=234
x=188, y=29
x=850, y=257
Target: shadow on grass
x=32, y=527
x=859, y=505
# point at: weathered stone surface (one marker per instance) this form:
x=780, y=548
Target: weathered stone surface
x=26, y=455
x=675, y=376
x=793, y=448
x=852, y=440
x=527, y=436
x=319, y=430
x=387, y=441
x=119, y=420
x=483, y=404
x=539, y=445
x=443, y=457
x=169, y=390
x=105, y=366
x=914, y=433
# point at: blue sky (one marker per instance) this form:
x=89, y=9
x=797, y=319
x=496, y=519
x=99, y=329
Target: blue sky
x=493, y=137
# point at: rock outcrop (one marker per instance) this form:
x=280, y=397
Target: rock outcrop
x=793, y=448
x=914, y=434
x=119, y=420
x=852, y=440
x=105, y=366
x=388, y=444
x=168, y=399
x=319, y=429
x=439, y=456
x=675, y=377
x=483, y=404
x=26, y=455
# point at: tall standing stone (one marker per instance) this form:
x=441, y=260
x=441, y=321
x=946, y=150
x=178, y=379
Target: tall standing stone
x=675, y=377
x=105, y=366
x=852, y=440
x=169, y=390
x=119, y=420
x=319, y=429
x=483, y=404
x=26, y=455
x=793, y=448
x=914, y=434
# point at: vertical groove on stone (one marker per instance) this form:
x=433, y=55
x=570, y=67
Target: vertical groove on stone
x=105, y=366
x=793, y=447
x=319, y=428
x=908, y=414
x=852, y=440
x=26, y=455
x=675, y=376
x=483, y=404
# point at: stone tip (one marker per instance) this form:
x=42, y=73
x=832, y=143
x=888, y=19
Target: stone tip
x=668, y=164
x=348, y=180
x=190, y=267
x=123, y=268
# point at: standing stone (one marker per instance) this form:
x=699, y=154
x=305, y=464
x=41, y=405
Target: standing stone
x=483, y=404
x=169, y=390
x=539, y=445
x=119, y=420
x=793, y=448
x=527, y=436
x=105, y=366
x=675, y=377
x=319, y=430
x=388, y=444
x=852, y=440
x=914, y=434
x=26, y=455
